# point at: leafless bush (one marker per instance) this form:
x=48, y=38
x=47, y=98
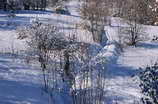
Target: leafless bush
x=133, y=34
x=145, y=10
x=61, y=62
x=89, y=84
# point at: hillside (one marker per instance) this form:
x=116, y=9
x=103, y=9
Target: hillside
x=21, y=83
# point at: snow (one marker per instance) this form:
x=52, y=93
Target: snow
x=122, y=84
x=20, y=83
x=10, y=42
x=141, y=56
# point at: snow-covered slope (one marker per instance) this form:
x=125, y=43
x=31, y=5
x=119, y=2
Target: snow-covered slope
x=122, y=85
x=20, y=83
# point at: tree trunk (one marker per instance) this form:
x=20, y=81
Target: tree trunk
x=67, y=63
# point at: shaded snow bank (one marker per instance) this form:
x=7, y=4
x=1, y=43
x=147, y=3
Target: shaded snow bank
x=110, y=51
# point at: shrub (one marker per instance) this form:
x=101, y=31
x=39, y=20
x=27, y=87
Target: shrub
x=149, y=84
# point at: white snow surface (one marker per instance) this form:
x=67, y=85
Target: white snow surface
x=122, y=83
x=21, y=83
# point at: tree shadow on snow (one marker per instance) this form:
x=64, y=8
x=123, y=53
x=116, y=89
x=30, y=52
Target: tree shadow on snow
x=148, y=45
x=13, y=92
x=123, y=71
x=7, y=23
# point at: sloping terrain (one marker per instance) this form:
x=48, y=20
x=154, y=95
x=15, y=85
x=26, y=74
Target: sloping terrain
x=20, y=83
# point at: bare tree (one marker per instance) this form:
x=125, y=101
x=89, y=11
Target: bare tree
x=43, y=39
x=146, y=10
x=94, y=13
x=57, y=54
x=133, y=32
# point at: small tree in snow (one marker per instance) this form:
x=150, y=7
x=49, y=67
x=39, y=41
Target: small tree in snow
x=43, y=39
x=133, y=34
